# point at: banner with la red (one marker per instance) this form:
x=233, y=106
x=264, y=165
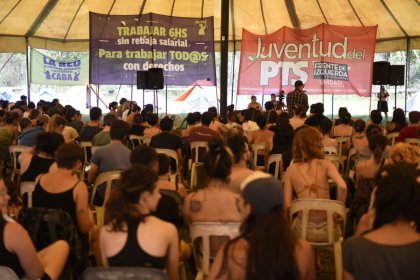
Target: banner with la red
x=328, y=59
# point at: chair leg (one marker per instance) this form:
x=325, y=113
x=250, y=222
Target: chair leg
x=192, y=176
x=338, y=261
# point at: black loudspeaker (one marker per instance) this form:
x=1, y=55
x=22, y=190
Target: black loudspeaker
x=396, y=75
x=142, y=80
x=155, y=77
x=380, y=72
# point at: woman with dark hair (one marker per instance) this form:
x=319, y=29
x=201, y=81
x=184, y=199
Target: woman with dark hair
x=113, y=106
x=368, y=168
x=62, y=189
x=33, y=164
x=392, y=249
x=215, y=202
x=398, y=121
x=283, y=141
x=299, y=116
x=344, y=129
x=8, y=134
x=254, y=104
x=132, y=236
x=266, y=247
x=18, y=252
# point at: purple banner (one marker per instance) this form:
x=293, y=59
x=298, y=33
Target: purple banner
x=121, y=45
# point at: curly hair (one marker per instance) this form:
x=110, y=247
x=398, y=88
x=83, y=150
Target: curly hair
x=405, y=153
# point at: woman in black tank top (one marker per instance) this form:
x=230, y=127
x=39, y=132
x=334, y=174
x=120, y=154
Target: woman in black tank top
x=132, y=236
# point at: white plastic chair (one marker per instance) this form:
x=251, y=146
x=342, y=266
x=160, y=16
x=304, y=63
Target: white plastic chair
x=194, y=162
x=392, y=136
x=7, y=273
x=132, y=273
x=137, y=140
x=352, y=152
x=341, y=142
x=412, y=141
x=27, y=188
x=15, y=151
x=331, y=150
x=256, y=148
x=87, y=152
x=331, y=207
x=276, y=159
x=104, y=178
x=205, y=230
x=338, y=161
x=173, y=155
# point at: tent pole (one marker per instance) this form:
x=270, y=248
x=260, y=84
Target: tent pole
x=407, y=73
x=143, y=99
x=332, y=106
x=131, y=98
x=97, y=97
x=224, y=40
x=166, y=99
x=28, y=80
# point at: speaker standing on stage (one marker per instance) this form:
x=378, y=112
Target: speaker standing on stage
x=383, y=102
x=297, y=97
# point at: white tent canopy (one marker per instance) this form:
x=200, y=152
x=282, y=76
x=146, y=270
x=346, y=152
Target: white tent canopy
x=64, y=24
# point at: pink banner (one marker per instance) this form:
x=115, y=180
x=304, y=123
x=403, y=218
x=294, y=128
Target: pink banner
x=328, y=59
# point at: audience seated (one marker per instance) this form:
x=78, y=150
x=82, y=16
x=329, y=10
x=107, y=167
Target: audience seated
x=262, y=136
x=191, y=122
x=132, y=237
x=114, y=156
x=391, y=249
x=8, y=134
x=94, y=125
x=28, y=137
x=103, y=137
x=203, y=132
x=215, y=202
x=216, y=125
x=299, y=116
x=165, y=175
x=317, y=116
x=308, y=176
x=325, y=128
x=18, y=252
x=40, y=161
x=266, y=246
x=359, y=139
x=375, y=118
x=153, y=129
x=398, y=121
x=343, y=129
x=368, y=168
x=283, y=141
x=166, y=139
x=413, y=129
x=138, y=126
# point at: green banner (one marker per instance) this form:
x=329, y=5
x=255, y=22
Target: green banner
x=48, y=71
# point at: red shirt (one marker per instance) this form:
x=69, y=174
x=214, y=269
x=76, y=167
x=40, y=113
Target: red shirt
x=408, y=132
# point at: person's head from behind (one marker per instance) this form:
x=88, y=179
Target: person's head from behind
x=109, y=119
x=11, y=118
x=153, y=119
x=25, y=123
x=70, y=114
x=213, y=111
x=48, y=143
x=133, y=198
x=284, y=134
x=325, y=126
x=244, y=115
x=69, y=156
x=164, y=164
x=345, y=118
x=272, y=117
x=95, y=114
x=404, y=153
x=359, y=125
x=191, y=119
x=166, y=124
x=119, y=130
x=238, y=146
x=145, y=156
x=318, y=108
x=376, y=117
x=218, y=161
x=299, y=110
x=342, y=111
x=261, y=121
x=56, y=124
x=231, y=116
x=396, y=200
x=377, y=144
x=113, y=105
x=398, y=117
x=268, y=106
x=414, y=117
x=373, y=129
x=138, y=119
x=206, y=119
x=307, y=145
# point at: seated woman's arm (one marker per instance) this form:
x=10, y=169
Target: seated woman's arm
x=333, y=173
x=288, y=191
x=17, y=241
x=25, y=161
x=173, y=252
x=82, y=208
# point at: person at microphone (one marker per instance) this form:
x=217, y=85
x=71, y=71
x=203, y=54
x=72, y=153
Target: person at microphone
x=383, y=102
x=296, y=98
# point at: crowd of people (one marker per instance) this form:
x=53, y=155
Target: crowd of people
x=147, y=210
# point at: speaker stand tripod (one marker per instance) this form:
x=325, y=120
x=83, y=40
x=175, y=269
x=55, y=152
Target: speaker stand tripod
x=156, y=100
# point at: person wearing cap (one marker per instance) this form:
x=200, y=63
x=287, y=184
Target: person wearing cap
x=297, y=97
x=266, y=245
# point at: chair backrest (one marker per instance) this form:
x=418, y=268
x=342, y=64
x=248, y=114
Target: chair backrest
x=256, y=148
x=331, y=207
x=276, y=159
x=27, y=188
x=7, y=273
x=391, y=137
x=195, y=149
x=205, y=231
x=170, y=153
x=341, y=141
x=137, y=140
x=412, y=141
x=105, y=178
x=87, y=150
x=128, y=273
x=15, y=152
x=338, y=161
x=331, y=150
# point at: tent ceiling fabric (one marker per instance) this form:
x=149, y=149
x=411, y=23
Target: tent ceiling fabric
x=64, y=24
